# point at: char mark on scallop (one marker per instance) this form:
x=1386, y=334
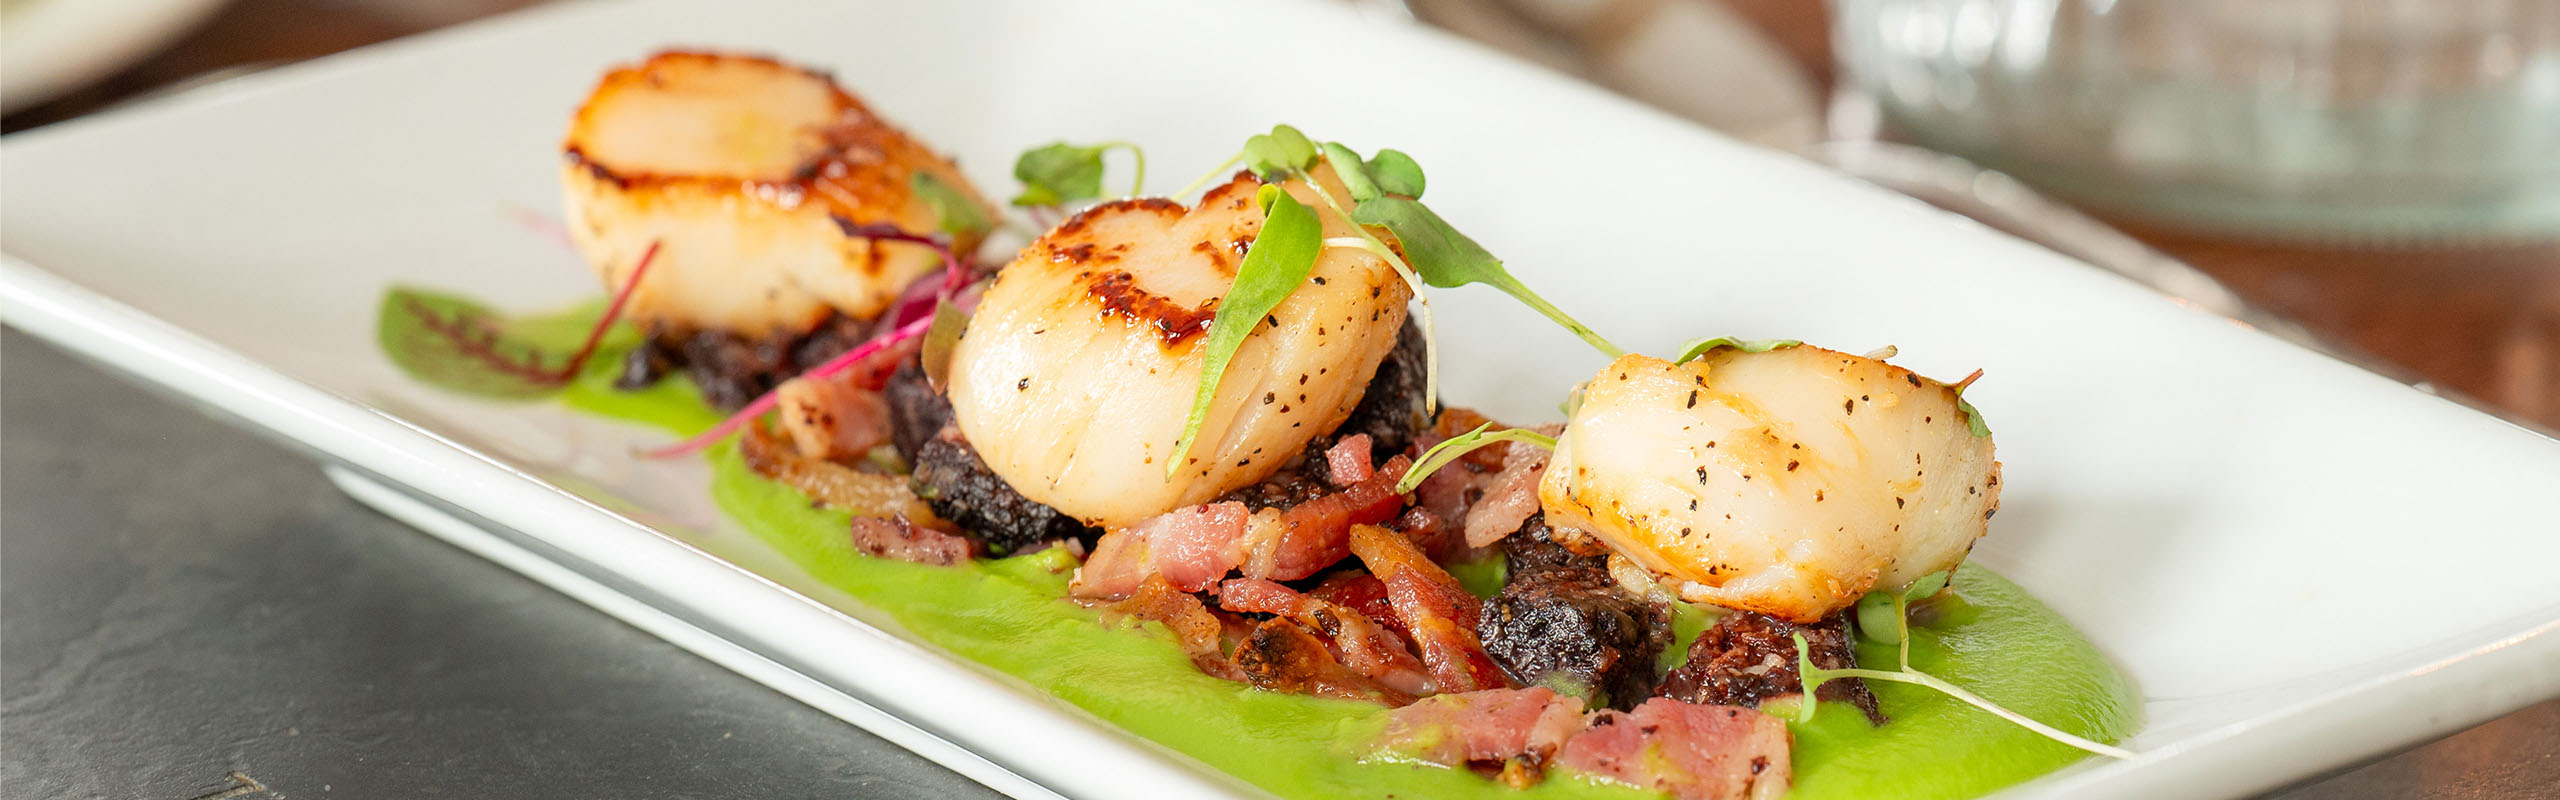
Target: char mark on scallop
x=1748, y=657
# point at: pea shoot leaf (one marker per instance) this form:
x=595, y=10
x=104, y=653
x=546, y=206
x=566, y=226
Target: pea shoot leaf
x=1973, y=418
x=1278, y=154
x=1700, y=347
x=957, y=212
x=1448, y=259
x=1396, y=173
x=1353, y=172
x=1280, y=258
x=1058, y=173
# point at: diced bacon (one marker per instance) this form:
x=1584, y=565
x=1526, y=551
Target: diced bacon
x=1191, y=546
x=1493, y=726
x=1432, y=533
x=1439, y=614
x=1362, y=592
x=1118, y=565
x=1690, y=751
x=1195, y=546
x=1347, y=462
x=1283, y=656
x=1359, y=642
x=831, y=418
x=894, y=537
x=1316, y=534
x=1449, y=490
x=1258, y=596
x=1194, y=626
x=1511, y=496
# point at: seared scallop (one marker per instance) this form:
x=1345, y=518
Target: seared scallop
x=1079, y=369
x=1787, y=482
x=740, y=168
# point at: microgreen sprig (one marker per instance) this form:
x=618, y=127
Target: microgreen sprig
x=1279, y=259
x=1815, y=677
x=1700, y=347
x=1059, y=173
x=1972, y=416
x=956, y=212
x=1456, y=447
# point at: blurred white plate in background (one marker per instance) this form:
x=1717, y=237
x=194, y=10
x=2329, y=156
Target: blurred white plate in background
x=48, y=47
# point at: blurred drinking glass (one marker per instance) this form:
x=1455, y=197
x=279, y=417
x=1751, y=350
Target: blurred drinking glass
x=2390, y=119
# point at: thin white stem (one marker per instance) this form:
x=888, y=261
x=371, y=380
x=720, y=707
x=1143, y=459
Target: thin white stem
x=1430, y=339
x=1958, y=692
x=1204, y=180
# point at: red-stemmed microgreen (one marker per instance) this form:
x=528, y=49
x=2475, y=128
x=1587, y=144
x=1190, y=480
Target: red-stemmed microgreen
x=458, y=344
x=766, y=402
x=1279, y=259
x=1059, y=173
x=1972, y=416
x=1456, y=447
x=911, y=320
x=1814, y=677
x=922, y=296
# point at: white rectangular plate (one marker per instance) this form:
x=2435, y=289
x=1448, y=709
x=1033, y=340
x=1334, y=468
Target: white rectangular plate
x=2300, y=563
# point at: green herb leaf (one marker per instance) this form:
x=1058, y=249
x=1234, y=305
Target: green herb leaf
x=1396, y=173
x=1699, y=347
x=1353, y=172
x=1277, y=262
x=456, y=344
x=1447, y=259
x=1278, y=154
x=1973, y=418
x=1057, y=174
x=1440, y=455
x=939, y=339
x=958, y=214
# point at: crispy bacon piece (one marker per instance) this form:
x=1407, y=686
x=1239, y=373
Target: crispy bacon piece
x=830, y=418
x=1689, y=751
x=1194, y=546
x=831, y=484
x=1197, y=629
x=1362, y=592
x=1118, y=565
x=1440, y=614
x=1510, y=496
x=894, y=537
x=1493, y=726
x=1305, y=539
x=1357, y=641
x=1347, y=461
x=1283, y=656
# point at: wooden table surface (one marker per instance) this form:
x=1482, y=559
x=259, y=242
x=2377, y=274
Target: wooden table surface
x=2482, y=321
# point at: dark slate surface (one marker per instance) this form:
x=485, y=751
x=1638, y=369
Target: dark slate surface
x=186, y=608
x=184, y=600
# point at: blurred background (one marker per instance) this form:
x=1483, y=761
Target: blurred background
x=2376, y=178
x=2381, y=176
